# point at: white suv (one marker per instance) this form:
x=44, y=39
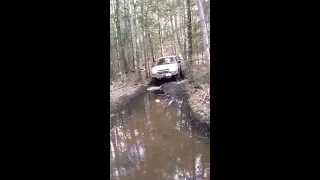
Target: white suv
x=166, y=67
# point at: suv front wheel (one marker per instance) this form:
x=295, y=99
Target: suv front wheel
x=154, y=81
x=182, y=76
x=176, y=77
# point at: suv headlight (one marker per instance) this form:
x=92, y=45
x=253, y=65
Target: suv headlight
x=175, y=70
x=154, y=71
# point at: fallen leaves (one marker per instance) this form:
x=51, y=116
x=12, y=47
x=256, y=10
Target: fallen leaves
x=199, y=100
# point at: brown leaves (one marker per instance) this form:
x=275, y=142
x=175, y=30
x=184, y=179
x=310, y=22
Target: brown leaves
x=199, y=99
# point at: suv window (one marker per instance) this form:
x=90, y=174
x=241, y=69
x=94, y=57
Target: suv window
x=167, y=60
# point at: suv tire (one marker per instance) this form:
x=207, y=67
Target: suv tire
x=154, y=81
x=182, y=76
x=176, y=77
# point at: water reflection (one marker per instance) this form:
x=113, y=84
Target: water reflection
x=154, y=141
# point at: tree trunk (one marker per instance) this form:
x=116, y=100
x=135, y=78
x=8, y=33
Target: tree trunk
x=122, y=54
x=204, y=32
x=137, y=41
x=150, y=43
x=131, y=58
x=126, y=39
x=133, y=41
x=184, y=37
x=189, y=25
x=111, y=72
x=206, y=10
x=145, y=60
x=160, y=35
x=143, y=39
x=173, y=41
x=178, y=37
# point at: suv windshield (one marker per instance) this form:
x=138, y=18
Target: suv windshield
x=167, y=60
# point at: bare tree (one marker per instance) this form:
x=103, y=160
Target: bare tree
x=122, y=55
x=203, y=28
x=160, y=31
x=189, y=25
x=134, y=41
x=143, y=37
x=183, y=53
x=142, y=30
x=137, y=39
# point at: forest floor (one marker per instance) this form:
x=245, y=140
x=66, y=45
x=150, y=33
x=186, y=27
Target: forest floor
x=199, y=94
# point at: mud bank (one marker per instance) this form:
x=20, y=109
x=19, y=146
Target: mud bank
x=196, y=102
x=119, y=96
x=199, y=102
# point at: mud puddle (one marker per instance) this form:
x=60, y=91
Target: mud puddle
x=152, y=138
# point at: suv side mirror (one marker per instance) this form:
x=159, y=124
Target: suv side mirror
x=178, y=59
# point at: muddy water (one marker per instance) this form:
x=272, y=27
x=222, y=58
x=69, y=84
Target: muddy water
x=155, y=140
